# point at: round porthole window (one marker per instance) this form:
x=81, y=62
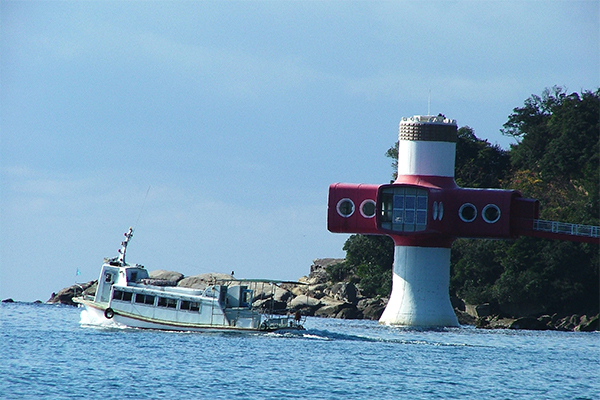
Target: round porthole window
x=345, y=207
x=435, y=210
x=367, y=208
x=467, y=212
x=491, y=213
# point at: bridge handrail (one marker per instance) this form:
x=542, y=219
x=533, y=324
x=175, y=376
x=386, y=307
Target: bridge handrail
x=566, y=228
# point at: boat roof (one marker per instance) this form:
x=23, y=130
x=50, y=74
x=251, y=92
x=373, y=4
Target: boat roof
x=273, y=281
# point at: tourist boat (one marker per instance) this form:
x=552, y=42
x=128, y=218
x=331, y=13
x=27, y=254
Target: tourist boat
x=127, y=296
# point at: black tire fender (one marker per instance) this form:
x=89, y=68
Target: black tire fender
x=109, y=313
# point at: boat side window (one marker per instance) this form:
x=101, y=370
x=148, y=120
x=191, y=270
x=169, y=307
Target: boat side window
x=171, y=303
x=166, y=302
x=144, y=298
x=189, y=306
x=121, y=295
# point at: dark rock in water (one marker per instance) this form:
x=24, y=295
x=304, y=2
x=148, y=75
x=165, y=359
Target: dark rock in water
x=494, y=322
x=567, y=323
x=546, y=320
x=464, y=318
x=38, y=302
x=457, y=304
x=330, y=310
x=589, y=324
x=529, y=323
x=65, y=296
x=8, y=301
x=478, y=310
x=350, y=312
x=371, y=308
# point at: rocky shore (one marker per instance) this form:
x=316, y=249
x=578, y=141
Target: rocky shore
x=317, y=296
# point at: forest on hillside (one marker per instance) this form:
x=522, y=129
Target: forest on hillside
x=555, y=160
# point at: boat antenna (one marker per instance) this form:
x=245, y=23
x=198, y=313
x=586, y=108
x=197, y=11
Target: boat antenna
x=124, y=244
x=141, y=209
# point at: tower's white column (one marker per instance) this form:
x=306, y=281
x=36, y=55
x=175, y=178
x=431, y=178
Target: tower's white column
x=420, y=288
x=421, y=277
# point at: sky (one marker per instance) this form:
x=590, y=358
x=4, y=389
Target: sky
x=215, y=128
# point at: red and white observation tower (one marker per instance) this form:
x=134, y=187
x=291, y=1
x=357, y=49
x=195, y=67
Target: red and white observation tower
x=424, y=211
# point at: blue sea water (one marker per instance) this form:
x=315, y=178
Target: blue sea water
x=46, y=354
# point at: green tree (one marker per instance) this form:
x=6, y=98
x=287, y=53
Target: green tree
x=372, y=257
x=557, y=155
x=556, y=162
x=392, y=153
x=478, y=163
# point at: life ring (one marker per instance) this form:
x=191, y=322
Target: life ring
x=109, y=313
x=263, y=326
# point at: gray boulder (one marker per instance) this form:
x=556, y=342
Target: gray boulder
x=478, y=310
x=371, y=308
x=171, y=276
x=329, y=311
x=65, y=296
x=203, y=280
x=305, y=304
x=350, y=312
x=268, y=291
x=270, y=305
x=318, y=270
x=344, y=291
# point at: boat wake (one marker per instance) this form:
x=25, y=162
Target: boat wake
x=94, y=320
x=325, y=335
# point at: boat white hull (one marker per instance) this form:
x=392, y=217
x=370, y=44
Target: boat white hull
x=95, y=314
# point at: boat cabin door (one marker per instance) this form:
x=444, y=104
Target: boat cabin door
x=107, y=278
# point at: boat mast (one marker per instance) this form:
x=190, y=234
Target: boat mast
x=123, y=248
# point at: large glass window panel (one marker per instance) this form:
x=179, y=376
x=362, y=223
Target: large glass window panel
x=398, y=201
x=421, y=202
x=410, y=202
x=421, y=217
x=409, y=217
x=404, y=209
